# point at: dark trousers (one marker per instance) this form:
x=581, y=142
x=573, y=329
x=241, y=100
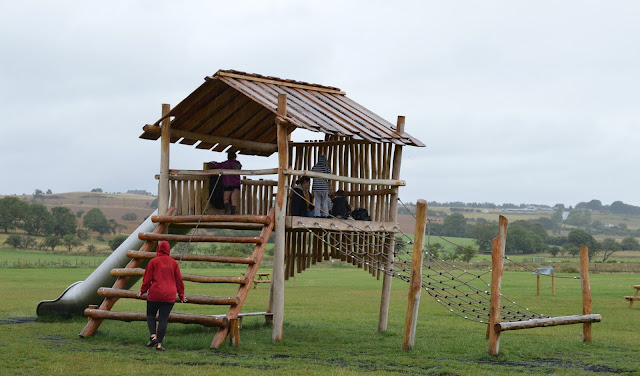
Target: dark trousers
x=162, y=309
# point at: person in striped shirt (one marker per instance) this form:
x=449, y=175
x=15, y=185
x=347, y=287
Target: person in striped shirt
x=321, y=188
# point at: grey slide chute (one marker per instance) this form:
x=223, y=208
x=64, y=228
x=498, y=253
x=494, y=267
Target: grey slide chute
x=75, y=298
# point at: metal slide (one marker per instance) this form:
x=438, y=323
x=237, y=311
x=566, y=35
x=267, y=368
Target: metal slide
x=75, y=298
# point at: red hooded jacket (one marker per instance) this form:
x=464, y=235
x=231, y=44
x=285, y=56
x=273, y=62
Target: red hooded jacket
x=162, y=278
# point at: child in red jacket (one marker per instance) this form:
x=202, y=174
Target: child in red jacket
x=163, y=280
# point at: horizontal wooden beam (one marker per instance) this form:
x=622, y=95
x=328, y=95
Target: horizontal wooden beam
x=139, y=272
x=219, y=225
x=303, y=223
x=200, y=238
x=211, y=218
x=236, y=142
x=107, y=292
x=266, y=171
x=551, y=321
x=189, y=257
x=185, y=318
x=345, y=179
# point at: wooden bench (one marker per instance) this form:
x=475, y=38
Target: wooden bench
x=635, y=296
x=261, y=278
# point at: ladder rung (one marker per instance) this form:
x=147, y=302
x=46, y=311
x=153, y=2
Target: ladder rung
x=190, y=257
x=185, y=318
x=200, y=238
x=263, y=219
x=107, y=292
x=219, y=225
x=185, y=276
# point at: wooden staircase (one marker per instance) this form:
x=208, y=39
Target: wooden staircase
x=133, y=269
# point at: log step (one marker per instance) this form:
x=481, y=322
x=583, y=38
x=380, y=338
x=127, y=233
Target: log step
x=551, y=321
x=632, y=298
x=139, y=272
x=262, y=219
x=219, y=225
x=200, y=238
x=189, y=257
x=107, y=292
x=185, y=318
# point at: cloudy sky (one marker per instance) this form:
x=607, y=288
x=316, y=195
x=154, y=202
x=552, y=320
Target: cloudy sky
x=517, y=101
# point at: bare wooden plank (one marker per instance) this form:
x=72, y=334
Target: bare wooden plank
x=190, y=257
x=263, y=219
x=319, y=88
x=184, y=318
x=544, y=322
x=191, y=298
x=185, y=276
x=201, y=238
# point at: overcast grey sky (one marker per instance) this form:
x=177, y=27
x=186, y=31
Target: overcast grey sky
x=517, y=101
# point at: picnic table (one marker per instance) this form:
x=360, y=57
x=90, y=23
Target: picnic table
x=635, y=296
x=261, y=278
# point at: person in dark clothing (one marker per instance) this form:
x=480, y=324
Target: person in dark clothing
x=340, y=208
x=231, y=183
x=301, y=198
x=163, y=280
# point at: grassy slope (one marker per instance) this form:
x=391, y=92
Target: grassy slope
x=330, y=328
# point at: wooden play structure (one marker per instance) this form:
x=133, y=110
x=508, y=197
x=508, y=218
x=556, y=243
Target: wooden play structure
x=254, y=115
x=635, y=296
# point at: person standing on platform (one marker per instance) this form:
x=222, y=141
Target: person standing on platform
x=231, y=183
x=301, y=199
x=163, y=280
x=321, y=188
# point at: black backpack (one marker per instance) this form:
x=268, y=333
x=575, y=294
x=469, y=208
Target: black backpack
x=361, y=215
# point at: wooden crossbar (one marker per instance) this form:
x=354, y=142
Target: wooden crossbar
x=262, y=219
x=200, y=238
x=185, y=276
x=107, y=292
x=550, y=321
x=220, y=225
x=185, y=318
x=189, y=257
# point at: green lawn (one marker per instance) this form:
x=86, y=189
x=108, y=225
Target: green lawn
x=330, y=328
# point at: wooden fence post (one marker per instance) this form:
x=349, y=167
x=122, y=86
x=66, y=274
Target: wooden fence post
x=538, y=284
x=497, y=256
x=586, y=291
x=415, y=286
x=553, y=283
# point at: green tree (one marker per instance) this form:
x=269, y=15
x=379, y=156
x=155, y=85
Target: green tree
x=71, y=241
x=554, y=251
x=91, y=248
x=11, y=212
x=64, y=221
x=455, y=225
x=117, y=241
x=630, y=244
x=129, y=217
x=609, y=246
x=52, y=242
x=95, y=220
x=79, y=213
x=483, y=234
x=98, y=190
x=521, y=240
x=38, y=220
x=14, y=240
x=464, y=254
x=435, y=250
x=578, y=237
x=579, y=218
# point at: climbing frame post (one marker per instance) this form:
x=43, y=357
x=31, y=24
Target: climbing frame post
x=586, y=291
x=415, y=285
x=497, y=257
x=277, y=284
x=163, y=181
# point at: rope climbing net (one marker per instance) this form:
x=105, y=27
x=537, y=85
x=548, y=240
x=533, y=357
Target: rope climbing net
x=458, y=290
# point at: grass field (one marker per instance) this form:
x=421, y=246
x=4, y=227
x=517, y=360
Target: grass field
x=330, y=329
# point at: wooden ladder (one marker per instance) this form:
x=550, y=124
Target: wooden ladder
x=133, y=269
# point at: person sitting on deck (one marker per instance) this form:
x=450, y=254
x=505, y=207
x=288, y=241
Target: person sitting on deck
x=321, y=188
x=231, y=183
x=301, y=198
x=340, y=208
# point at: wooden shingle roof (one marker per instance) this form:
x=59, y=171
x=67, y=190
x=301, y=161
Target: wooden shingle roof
x=232, y=105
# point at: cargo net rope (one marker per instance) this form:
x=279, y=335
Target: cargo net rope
x=458, y=290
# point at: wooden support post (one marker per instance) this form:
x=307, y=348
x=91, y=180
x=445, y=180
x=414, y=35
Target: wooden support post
x=553, y=283
x=497, y=256
x=393, y=216
x=586, y=291
x=234, y=331
x=277, y=303
x=415, y=285
x=538, y=284
x=163, y=183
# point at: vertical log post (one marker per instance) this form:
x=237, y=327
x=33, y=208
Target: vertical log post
x=586, y=291
x=553, y=283
x=277, y=295
x=538, y=284
x=393, y=216
x=415, y=285
x=497, y=256
x=163, y=182
x=234, y=331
